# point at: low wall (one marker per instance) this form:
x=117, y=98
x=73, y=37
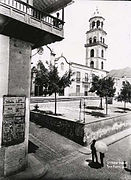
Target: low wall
x=105, y=127
x=70, y=129
x=80, y=132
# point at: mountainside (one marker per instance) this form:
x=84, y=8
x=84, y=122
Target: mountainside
x=120, y=73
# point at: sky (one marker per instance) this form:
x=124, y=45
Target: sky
x=117, y=24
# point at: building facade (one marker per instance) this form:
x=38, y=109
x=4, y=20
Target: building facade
x=24, y=25
x=120, y=76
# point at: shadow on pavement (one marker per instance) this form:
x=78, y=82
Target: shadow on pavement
x=32, y=147
x=95, y=165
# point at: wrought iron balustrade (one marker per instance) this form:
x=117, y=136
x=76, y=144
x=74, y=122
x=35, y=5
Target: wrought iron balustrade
x=33, y=12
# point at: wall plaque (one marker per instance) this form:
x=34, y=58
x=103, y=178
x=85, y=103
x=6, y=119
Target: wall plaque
x=13, y=129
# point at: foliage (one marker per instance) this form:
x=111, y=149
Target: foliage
x=50, y=80
x=95, y=84
x=103, y=87
x=42, y=78
x=125, y=93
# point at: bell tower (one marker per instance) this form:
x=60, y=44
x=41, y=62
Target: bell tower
x=95, y=42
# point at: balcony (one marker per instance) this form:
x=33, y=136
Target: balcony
x=85, y=81
x=95, y=44
x=22, y=21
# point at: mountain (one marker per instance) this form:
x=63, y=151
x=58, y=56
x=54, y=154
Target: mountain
x=120, y=73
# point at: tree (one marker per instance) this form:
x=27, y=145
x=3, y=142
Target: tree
x=125, y=93
x=103, y=87
x=52, y=82
x=56, y=83
x=42, y=78
x=95, y=86
x=108, y=89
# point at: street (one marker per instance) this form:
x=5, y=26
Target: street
x=66, y=162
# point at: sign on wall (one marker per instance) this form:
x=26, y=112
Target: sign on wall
x=13, y=129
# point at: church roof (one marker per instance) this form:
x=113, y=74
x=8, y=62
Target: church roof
x=50, y=6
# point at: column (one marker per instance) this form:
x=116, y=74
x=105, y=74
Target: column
x=15, y=78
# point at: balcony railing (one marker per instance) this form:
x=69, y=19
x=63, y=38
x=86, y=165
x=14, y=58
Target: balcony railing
x=96, y=43
x=33, y=12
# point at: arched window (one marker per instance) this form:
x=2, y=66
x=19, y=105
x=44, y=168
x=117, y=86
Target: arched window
x=93, y=24
x=102, y=65
x=95, y=39
x=92, y=64
x=92, y=53
x=102, y=53
x=103, y=40
x=90, y=40
x=100, y=39
x=98, y=24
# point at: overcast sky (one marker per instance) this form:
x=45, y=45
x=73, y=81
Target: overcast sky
x=117, y=24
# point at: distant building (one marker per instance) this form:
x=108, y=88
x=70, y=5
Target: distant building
x=120, y=76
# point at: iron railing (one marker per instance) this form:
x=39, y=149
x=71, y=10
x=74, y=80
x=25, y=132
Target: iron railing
x=35, y=13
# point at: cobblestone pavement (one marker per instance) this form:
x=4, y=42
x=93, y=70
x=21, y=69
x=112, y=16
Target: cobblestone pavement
x=66, y=162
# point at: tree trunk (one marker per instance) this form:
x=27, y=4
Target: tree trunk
x=55, y=103
x=106, y=106
x=101, y=102
x=124, y=106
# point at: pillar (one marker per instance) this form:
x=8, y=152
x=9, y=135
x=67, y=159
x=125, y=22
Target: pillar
x=14, y=104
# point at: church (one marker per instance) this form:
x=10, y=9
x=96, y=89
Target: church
x=95, y=60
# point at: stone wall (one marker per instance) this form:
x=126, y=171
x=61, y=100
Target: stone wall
x=105, y=127
x=80, y=132
x=70, y=129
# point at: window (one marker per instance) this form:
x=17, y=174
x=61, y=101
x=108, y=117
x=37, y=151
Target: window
x=90, y=40
x=95, y=39
x=98, y=24
x=93, y=24
x=78, y=90
x=102, y=53
x=102, y=65
x=92, y=64
x=92, y=53
x=101, y=39
x=78, y=76
x=86, y=77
